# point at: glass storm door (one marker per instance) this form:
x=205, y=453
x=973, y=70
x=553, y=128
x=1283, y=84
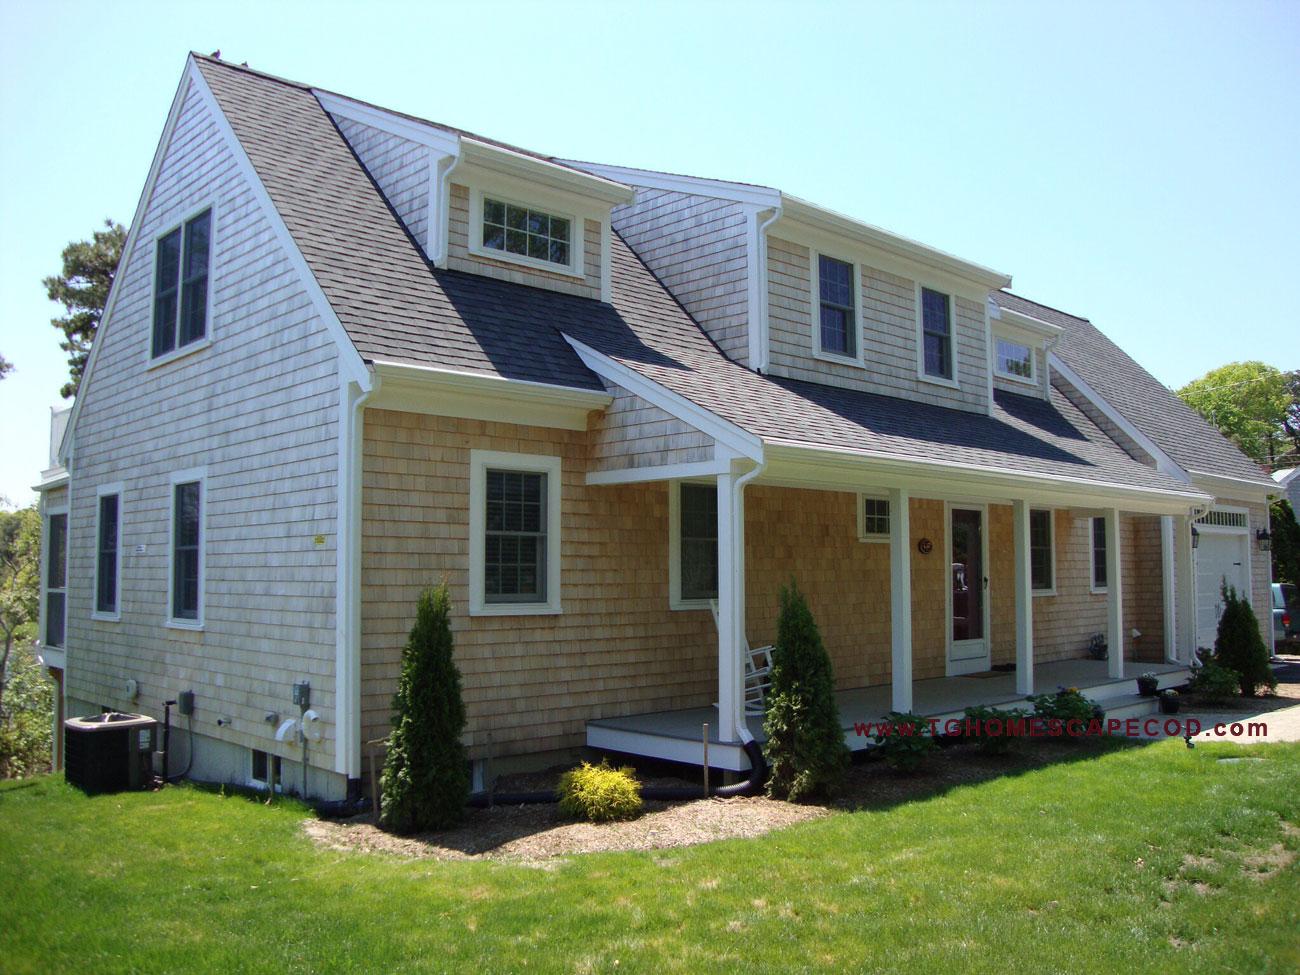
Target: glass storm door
x=968, y=609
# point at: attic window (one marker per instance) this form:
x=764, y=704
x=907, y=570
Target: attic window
x=1015, y=360
x=180, y=293
x=525, y=232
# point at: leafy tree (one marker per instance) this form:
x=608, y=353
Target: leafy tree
x=5, y=366
x=426, y=773
x=82, y=289
x=805, y=747
x=20, y=543
x=1239, y=645
x=1251, y=403
x=1286, y=542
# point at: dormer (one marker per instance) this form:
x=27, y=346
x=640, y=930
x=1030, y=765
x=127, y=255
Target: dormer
x=484, y=208
x=1021, y=345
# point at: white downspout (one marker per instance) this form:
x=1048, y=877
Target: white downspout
x=442, y=230
x=738, y=586
x=763, y=360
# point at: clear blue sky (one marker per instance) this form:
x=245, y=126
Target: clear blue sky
x=1138, y=163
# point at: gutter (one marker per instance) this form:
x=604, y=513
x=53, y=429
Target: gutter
x=441, y=221
x=763, y=359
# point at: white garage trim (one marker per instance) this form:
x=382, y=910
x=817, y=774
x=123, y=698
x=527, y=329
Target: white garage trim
x=1221, y=524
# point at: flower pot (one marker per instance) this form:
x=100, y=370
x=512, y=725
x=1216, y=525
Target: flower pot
x=1148, y=686
x=1170, y=705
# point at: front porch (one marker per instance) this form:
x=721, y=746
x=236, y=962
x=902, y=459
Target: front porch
x=678, y=736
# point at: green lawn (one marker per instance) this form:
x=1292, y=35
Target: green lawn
x=1135, y=860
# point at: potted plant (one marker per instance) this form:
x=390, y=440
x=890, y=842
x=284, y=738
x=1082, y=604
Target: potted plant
x=1148, y=684
x=1169, y=701
x=1098, y=648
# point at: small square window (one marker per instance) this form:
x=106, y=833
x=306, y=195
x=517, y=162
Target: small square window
x=1015, y=360
x=262, y=766
x=873, y=519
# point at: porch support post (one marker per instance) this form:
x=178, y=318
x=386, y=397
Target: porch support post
x=1024, y=600
x=729, y=674
x=1168, y=580
x=1185, y=591
x=1115, y=599
x=900, y=598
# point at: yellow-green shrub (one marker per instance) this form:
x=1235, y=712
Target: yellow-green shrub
x=600, y=793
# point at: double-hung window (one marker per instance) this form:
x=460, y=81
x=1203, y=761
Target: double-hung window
x=525, y=231
x=180, y=297
x=187, y=540
x=837, y=328
x=108, y=561
x=695, y=532
x=1099, y=580
x=56, y=578
x=514, y=533
x=936, y=335
x=1042, y=564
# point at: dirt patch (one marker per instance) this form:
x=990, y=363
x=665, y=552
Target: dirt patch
x=539, y=833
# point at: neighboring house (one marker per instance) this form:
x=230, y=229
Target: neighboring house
x=1289, y=481
x=350, y=353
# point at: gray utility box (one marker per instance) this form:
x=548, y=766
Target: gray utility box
x=109, y=752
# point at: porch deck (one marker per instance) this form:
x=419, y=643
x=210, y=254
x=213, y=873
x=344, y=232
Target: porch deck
x=678, y=735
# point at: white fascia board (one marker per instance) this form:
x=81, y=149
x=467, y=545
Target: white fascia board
x=1164, y=463
x=1285, y=476
x=51, y=480
x=1241, y=488
x=1026, y=323
x=349, y=359
x=524, y=166
x=829, y=221
x=425, y=134
x=763, y=197
x=663, y=472
x=939, y=478
x=744, y=443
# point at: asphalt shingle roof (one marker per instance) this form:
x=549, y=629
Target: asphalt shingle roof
x=395, y=306
x=1172, y=425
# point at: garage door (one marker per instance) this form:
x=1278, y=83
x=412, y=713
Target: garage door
x=1219, y=557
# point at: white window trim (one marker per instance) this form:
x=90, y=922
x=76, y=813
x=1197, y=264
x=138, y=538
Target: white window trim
x=1092, y=559
x=259, y=784
x=199, y=474
x=815, y=310
x=1032, y=379
x=675, y=600
x=577, y=240
x=42, y=614
x=1051, y=535
x=101, y=492
x=863, y=536
x=180, y=352
x=921, y=374
x=479, y=462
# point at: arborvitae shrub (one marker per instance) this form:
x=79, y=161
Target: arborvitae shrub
x=805, y=749
x=426, y=772
x=1239, y=645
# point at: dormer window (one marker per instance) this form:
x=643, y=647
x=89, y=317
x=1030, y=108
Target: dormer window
x=526, y=232
x=180, y=294
x=1015, y=360
x=936, y=335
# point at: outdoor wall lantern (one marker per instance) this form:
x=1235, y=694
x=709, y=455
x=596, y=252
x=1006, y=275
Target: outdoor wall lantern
x=1264, y=538
x=1196, y=538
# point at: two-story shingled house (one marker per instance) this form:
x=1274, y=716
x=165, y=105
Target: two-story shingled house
x=350, y=353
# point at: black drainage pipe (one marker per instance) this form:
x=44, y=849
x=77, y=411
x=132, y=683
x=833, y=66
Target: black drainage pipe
x=751, y=786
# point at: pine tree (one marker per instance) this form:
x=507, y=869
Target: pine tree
x=426, y=772
x=1239, y=645
x=805, y=747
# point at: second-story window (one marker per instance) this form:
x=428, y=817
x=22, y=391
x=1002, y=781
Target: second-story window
x=936, y=334
x=180, y=293
x=1015, y=360
x=526, y=232
x=837, y=333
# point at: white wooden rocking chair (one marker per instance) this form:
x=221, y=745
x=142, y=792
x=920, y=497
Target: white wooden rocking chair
x=758, y=672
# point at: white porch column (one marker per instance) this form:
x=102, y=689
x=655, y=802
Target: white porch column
x=1168, y=579
x=1024, y=600
x=1115, y=599
x=900, y=598
x=1185, y=591
x=730, y=676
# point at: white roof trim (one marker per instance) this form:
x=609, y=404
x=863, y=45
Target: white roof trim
x=1286, y=475
x=1164, y=463
x=492, y=385
x=1239, y=487
x=520, y=164
x=763, y=197
x=423, y=133
x=1025, y=322
x=724, y=432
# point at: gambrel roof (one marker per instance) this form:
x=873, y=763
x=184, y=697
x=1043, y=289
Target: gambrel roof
x=396, y=307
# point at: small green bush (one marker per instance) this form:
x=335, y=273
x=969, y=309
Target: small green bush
x=599, y=793
x=1239, y=645
x=26, y=717
x=988, y=720
x=805, y=748
x=904, y=740
x=1067, y=704
x=1215, y=684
